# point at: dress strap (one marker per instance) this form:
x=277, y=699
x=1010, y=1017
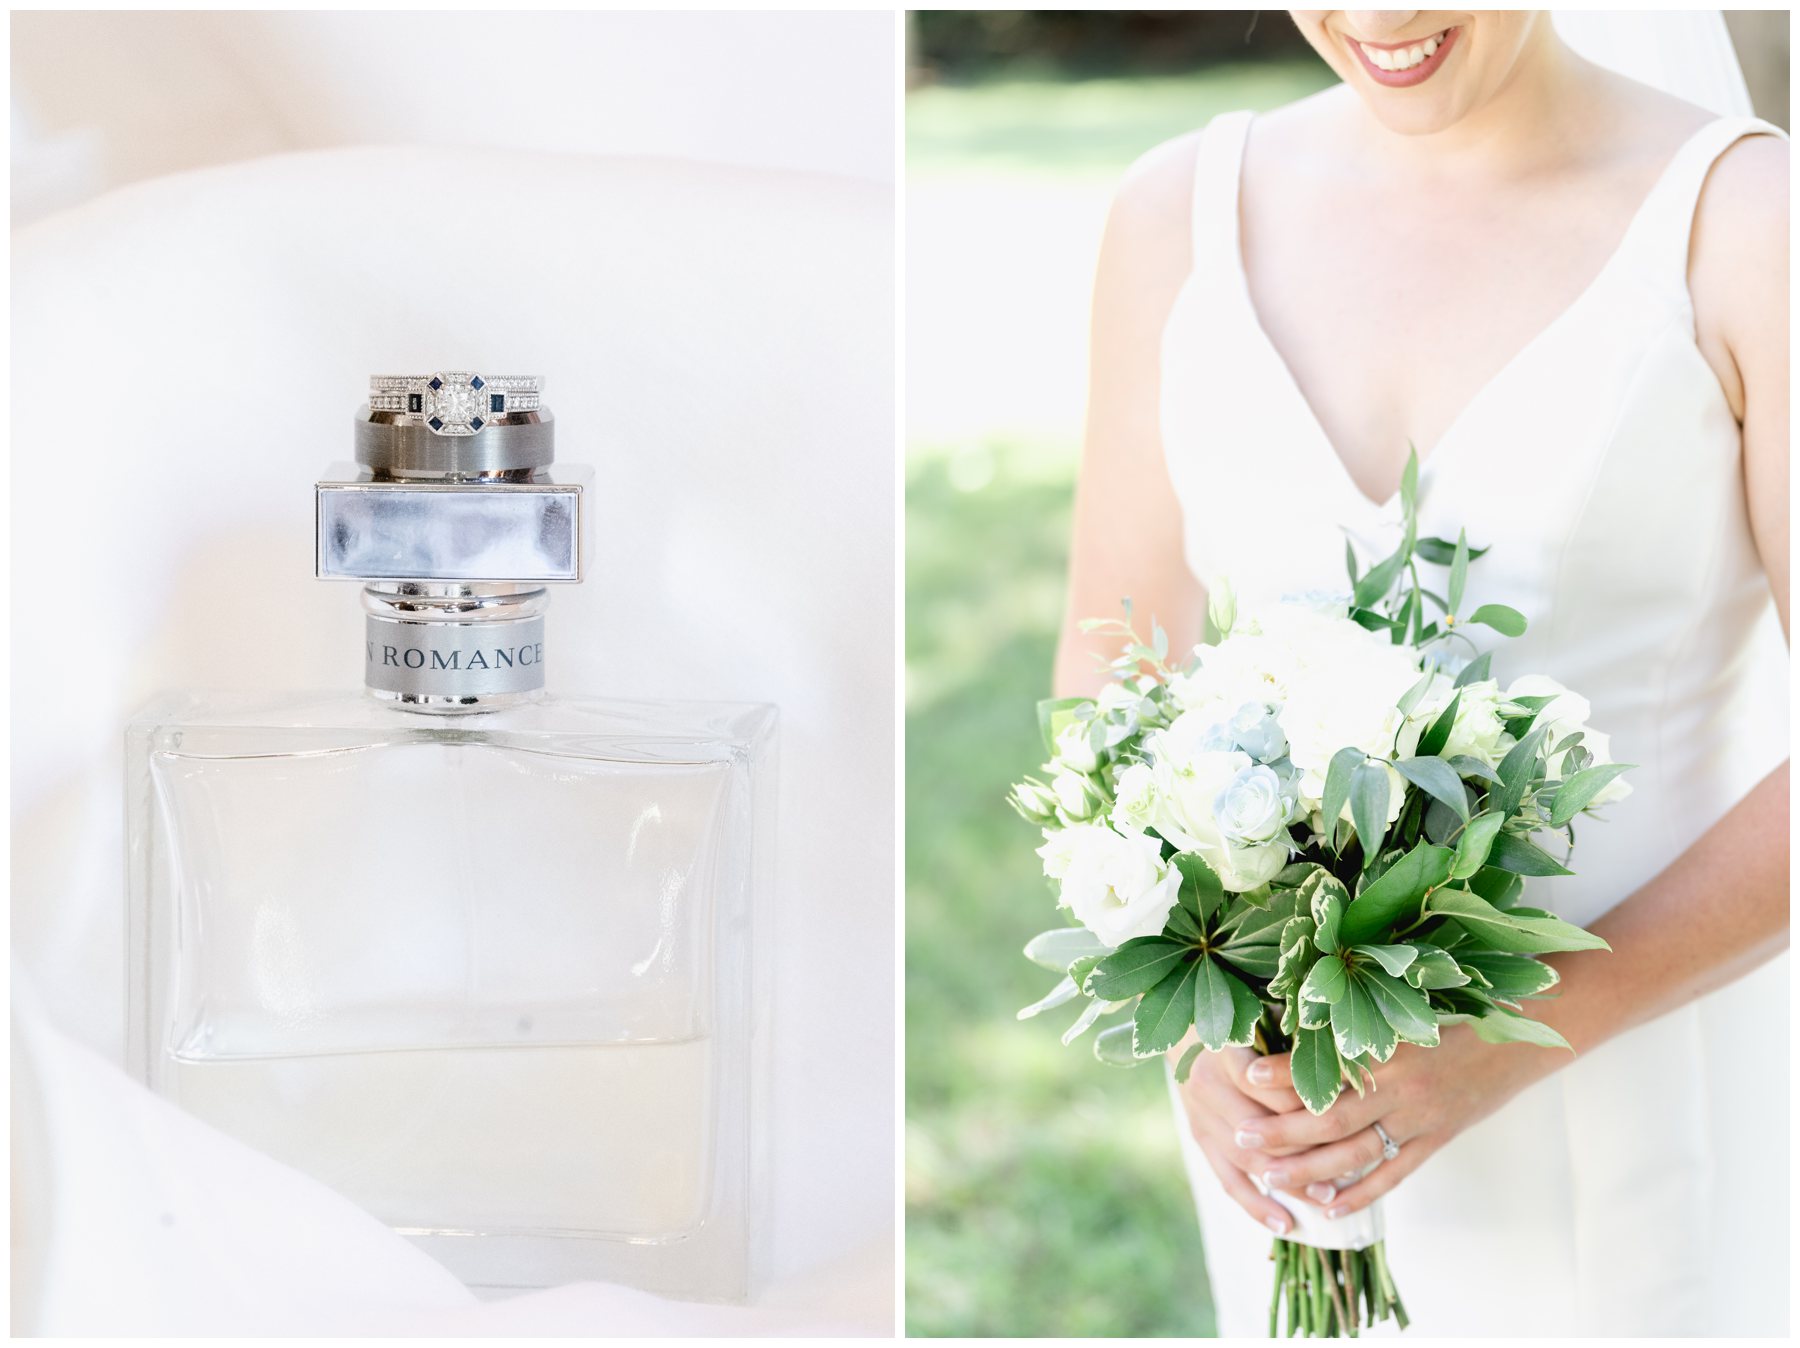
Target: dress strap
x=1662, y=231
x=1218, y=166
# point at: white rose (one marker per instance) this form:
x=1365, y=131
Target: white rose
x=1478, y=730
x=1117, y=884
x=1250, y=809
x=1134, y=799
x=1114, y=696
x=1567, y=714
x=1073, y=794
x=1074, y=750
x=1185, y=798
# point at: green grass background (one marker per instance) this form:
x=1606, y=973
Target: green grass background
x=1044, y=1191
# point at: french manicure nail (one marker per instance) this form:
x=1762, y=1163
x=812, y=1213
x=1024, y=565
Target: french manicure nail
x=1321, y=1193
x=1339, y=1211
x=1275, y=1178
x=1261, y=1073
x=1248, y=1140
x=1276, y=1224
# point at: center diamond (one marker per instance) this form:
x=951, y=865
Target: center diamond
x=456, y=404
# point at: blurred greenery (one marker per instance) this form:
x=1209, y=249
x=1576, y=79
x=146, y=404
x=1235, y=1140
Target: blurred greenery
x=1045, y=1192
x=1095, y=41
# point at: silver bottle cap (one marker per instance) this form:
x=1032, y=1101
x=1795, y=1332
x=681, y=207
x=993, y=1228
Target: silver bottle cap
x=453, y=527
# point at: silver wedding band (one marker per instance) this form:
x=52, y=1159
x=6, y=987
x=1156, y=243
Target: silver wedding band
x=1390, y=1149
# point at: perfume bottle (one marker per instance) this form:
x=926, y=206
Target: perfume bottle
x=488, y=962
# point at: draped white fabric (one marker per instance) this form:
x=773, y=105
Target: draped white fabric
x=1631, y=1192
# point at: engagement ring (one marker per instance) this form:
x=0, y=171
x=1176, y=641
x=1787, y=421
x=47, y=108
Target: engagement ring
x=454, y=402
x=1390, y=1149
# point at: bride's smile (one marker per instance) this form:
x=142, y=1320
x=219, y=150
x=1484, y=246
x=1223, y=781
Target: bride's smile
x=1400, y=65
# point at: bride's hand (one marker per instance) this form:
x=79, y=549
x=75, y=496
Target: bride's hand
x=1219, y=1096
x=1422, y=1097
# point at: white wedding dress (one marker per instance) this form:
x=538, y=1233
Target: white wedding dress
x=1643, y=1188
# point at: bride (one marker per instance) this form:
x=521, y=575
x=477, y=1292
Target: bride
x=1568, y=290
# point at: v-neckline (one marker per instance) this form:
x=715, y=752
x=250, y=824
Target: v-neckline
x=1430, y=459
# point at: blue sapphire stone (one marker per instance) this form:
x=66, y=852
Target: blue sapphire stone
x=475, y=382
x=496, y=402
x=475, y=425
x=435, y=424
x=436, y=382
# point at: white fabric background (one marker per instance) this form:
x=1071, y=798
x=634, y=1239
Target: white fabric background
x=718, y=342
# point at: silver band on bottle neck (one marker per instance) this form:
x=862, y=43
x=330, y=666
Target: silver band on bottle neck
x=454, y=647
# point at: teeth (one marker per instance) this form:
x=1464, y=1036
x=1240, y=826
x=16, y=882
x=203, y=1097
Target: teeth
x=1402, y=58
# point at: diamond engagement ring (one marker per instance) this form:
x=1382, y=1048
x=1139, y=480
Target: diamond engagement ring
x=454, y=402
x=1390, y=1149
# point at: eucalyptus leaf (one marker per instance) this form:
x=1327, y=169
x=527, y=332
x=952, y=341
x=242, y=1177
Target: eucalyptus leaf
x=1473, y=846
x=1412, y=696
x=1574, y=795
x=1060, y=947
x=1067, y=990
x=1437, y=735
x=1378, y=580
x=1523, y=857
x=1508, y=622
x=1459, y=570
x=1369, y=807
x=1437, y=779
x=1337, y=786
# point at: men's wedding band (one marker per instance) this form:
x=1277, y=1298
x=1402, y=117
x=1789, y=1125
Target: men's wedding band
x=454, y=402
x=1390, y=1149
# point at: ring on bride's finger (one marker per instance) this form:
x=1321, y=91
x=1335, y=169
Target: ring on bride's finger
x=1390, y=1149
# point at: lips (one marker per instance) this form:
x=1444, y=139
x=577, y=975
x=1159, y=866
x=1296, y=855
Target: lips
x=1400, y=65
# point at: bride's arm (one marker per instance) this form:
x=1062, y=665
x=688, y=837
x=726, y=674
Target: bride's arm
x=1721, y=908
x=1127, y=537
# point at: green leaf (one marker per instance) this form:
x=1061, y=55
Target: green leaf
x=1473, y=846
x=1437, y=779
x=1573, y=795
x=1523, y=857
x=1438, y=734
x=1459, y=570
x=1409, y=483
x=1314, y=1015
x=1434, y=969
x=1184, y=926
x=1067, y=990
x=1508, y=622
x=1164, y=1013
x=1057, y=949
x=1379, y=579
x=1259, y=960
x=1247, y=1010
x=1137, y=966
x=1476, y=670
x=1053, y=715
x=1359, y=1025
x=1501, y=930
x=1498, y=887
x=1442, y=552
x=1468, y=766
x=1252, y=925
x=1317, y=1071
x=1213, y=1012
x=1395, y=959
x=1327, y=982
x=1337, y=786
x=1504, y=1027
x=1186, y=1066
x=1511, y=976
x=1396, y=894
x=1201, y=893
x=1326, y=898
x=1403, y=1005
x=1518, y=769
x=1368, y=807
x=1113, y=1046
x=1410, y=698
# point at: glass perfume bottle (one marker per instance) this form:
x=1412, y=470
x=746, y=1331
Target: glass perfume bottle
x=489, y=963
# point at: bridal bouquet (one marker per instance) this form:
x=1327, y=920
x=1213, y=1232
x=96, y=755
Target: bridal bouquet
x=1312, y=838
